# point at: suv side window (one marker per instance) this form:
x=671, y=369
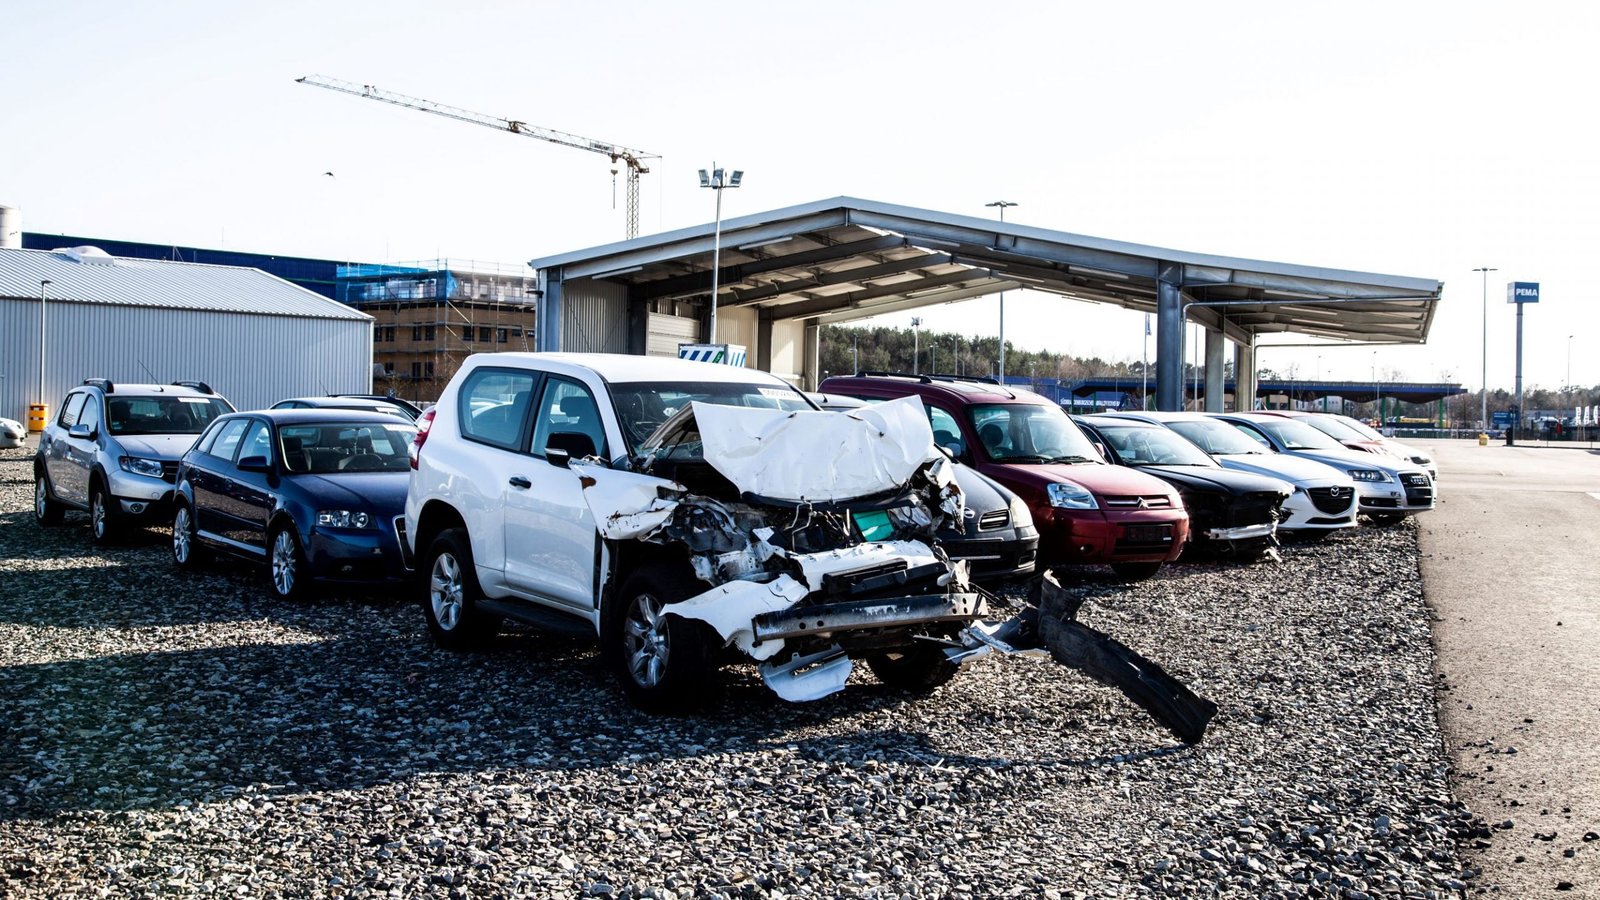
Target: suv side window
x=566, y=415
x=946, y=433
x=90, y=415
x=72, y=409
x=257, y=442
x=227, y=442
x=493, y=404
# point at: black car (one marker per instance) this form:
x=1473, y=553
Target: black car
x=1234, y=512
x=997, y=538
x=318, y=494
x=406, y=406
x=367, y=404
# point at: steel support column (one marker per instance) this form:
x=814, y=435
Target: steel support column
x=763, y=347
x=1169, y=338
x=1214, y=370
x=811, y=363
x=548, y=316
x=1244, y=376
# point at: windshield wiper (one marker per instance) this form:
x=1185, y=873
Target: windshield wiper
x=1069, y=459
x=1026, y=457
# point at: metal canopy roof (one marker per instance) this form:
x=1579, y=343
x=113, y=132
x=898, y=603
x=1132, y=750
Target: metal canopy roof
x=121, y=281
x=842, y=259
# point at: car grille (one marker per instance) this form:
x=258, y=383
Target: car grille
x=169, y=471
x=1138, y=501
x=1417, y=479
x=1255, y=508
x=1331, y=499
x=994, y=518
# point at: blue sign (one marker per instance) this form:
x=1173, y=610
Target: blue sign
x=1522, y=292
x=1502, y=419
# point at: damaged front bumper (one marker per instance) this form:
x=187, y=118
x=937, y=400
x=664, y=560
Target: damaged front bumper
x=828, y=619
x=1242, y=532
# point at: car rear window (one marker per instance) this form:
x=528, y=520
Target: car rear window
x=330, y=448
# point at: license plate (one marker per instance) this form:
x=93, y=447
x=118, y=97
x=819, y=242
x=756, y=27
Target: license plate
x=1148, y=534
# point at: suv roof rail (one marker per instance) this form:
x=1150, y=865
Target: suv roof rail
x=103, y=384
x=872, y=373
x=200, y=386
x=925, y=378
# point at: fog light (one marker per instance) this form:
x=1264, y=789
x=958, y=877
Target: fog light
x=136, y=508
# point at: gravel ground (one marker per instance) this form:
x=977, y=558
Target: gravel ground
x=187, y=735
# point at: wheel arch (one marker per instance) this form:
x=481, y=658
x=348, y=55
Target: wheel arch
x=436, y=517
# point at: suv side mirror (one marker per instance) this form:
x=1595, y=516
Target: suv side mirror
x=558, y=458
x=82, y=432
x=254, y=464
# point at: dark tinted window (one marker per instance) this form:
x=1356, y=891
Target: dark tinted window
x=326, y=448
x=493, y=404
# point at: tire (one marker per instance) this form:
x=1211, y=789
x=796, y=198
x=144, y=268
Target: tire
x=919, y=669
x=103, y=525
x=47, y=510
x=1386, y=519
x=450, y=594
x=663, y=661
x=187, y=553
x=287, y=573
x=1136, y=571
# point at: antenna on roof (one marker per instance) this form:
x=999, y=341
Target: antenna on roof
x=147, y=371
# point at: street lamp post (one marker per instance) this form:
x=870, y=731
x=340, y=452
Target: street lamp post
x=1483, y=412
x=717, y=181
x=1002, y=364
x=42, y=285
x=1378, y=387
x=916, y=343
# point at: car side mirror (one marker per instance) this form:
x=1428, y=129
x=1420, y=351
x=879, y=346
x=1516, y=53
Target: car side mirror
x=254, y=464
x=82, y=432
x=558, y=458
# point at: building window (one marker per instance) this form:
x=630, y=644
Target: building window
x=427, y=369
x=416, y=332
x=502, y=335
x=484, y=333
x=466, y=334
x=386, y=334
x=427, y=332
x=416, y=371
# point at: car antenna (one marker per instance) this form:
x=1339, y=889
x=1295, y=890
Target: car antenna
x=147, y=371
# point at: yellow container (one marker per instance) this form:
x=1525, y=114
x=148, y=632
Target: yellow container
x=38, y=415
x=1483, y=439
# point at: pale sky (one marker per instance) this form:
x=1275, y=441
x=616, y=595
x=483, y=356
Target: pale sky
x=1419, y=139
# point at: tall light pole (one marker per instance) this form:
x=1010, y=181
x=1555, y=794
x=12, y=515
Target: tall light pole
x=1378, y=387
x=42, y=285
x=717, y=182
x=1483, y=411
x=916, y=343
x=1569, y=371
x=1002, y=370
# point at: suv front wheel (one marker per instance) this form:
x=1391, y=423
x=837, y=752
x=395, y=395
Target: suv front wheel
x=103, y=525
x=451, y=594
x=663, y=660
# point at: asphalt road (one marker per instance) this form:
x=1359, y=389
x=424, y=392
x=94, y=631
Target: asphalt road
x=1508, y=568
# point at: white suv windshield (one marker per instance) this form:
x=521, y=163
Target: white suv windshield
x=641, y=408
x=161, y=415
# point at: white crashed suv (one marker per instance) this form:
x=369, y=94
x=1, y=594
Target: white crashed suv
x=685, y=514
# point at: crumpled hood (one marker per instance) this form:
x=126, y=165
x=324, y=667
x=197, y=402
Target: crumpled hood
x=816, y=455
x=156, y=446
x=381, y=493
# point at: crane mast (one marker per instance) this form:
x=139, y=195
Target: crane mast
x=633, y=159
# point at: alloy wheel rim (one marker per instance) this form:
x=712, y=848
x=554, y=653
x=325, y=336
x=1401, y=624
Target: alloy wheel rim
x=444, y=591
x=645, y=640
x=283, y=563
x=41, y=498
x=97, y=514
x=180, y=535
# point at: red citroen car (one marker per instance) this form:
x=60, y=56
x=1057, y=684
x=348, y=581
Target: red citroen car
x=1086, y=510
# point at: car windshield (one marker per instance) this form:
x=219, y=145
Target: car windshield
x=332, y=448
x=1139, y=445
x=1334, y=428
x=162, y=415
x=1360, y=427
x=642, y=407
x=1217, y=437
x=1294, y=435
x=1030, y=433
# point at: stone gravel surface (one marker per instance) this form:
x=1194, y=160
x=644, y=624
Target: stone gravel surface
x=187, y=735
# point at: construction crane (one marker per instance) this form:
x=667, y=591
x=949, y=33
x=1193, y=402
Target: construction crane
x=633, y=159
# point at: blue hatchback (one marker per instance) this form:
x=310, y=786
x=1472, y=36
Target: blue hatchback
x=318, y=494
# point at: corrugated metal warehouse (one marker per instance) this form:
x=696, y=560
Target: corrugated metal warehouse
x=253, y=337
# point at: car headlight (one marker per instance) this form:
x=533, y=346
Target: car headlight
x=343, y=518
x=141, y=466
x=1368, y=475
x=1021, y=515
x=1071, y=496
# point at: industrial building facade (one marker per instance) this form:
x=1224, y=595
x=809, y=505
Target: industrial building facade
x=253, y=337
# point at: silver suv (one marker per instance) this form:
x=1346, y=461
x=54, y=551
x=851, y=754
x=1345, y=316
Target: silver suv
x=114, y=448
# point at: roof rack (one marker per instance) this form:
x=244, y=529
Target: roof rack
x=926, y=378
x=103, y=384
x=870, y=373
x=200, y=386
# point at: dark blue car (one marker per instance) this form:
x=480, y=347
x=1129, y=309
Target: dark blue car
x=317, y=494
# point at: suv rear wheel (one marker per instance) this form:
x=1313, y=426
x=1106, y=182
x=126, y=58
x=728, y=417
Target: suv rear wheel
x=46, y=511
x=919, y=669
x=451, y=594
x=663, y=660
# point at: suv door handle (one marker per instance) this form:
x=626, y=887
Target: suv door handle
x=517, y=481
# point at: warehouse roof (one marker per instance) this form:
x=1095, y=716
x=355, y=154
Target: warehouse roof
x=845, y=258
x=87, y=275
